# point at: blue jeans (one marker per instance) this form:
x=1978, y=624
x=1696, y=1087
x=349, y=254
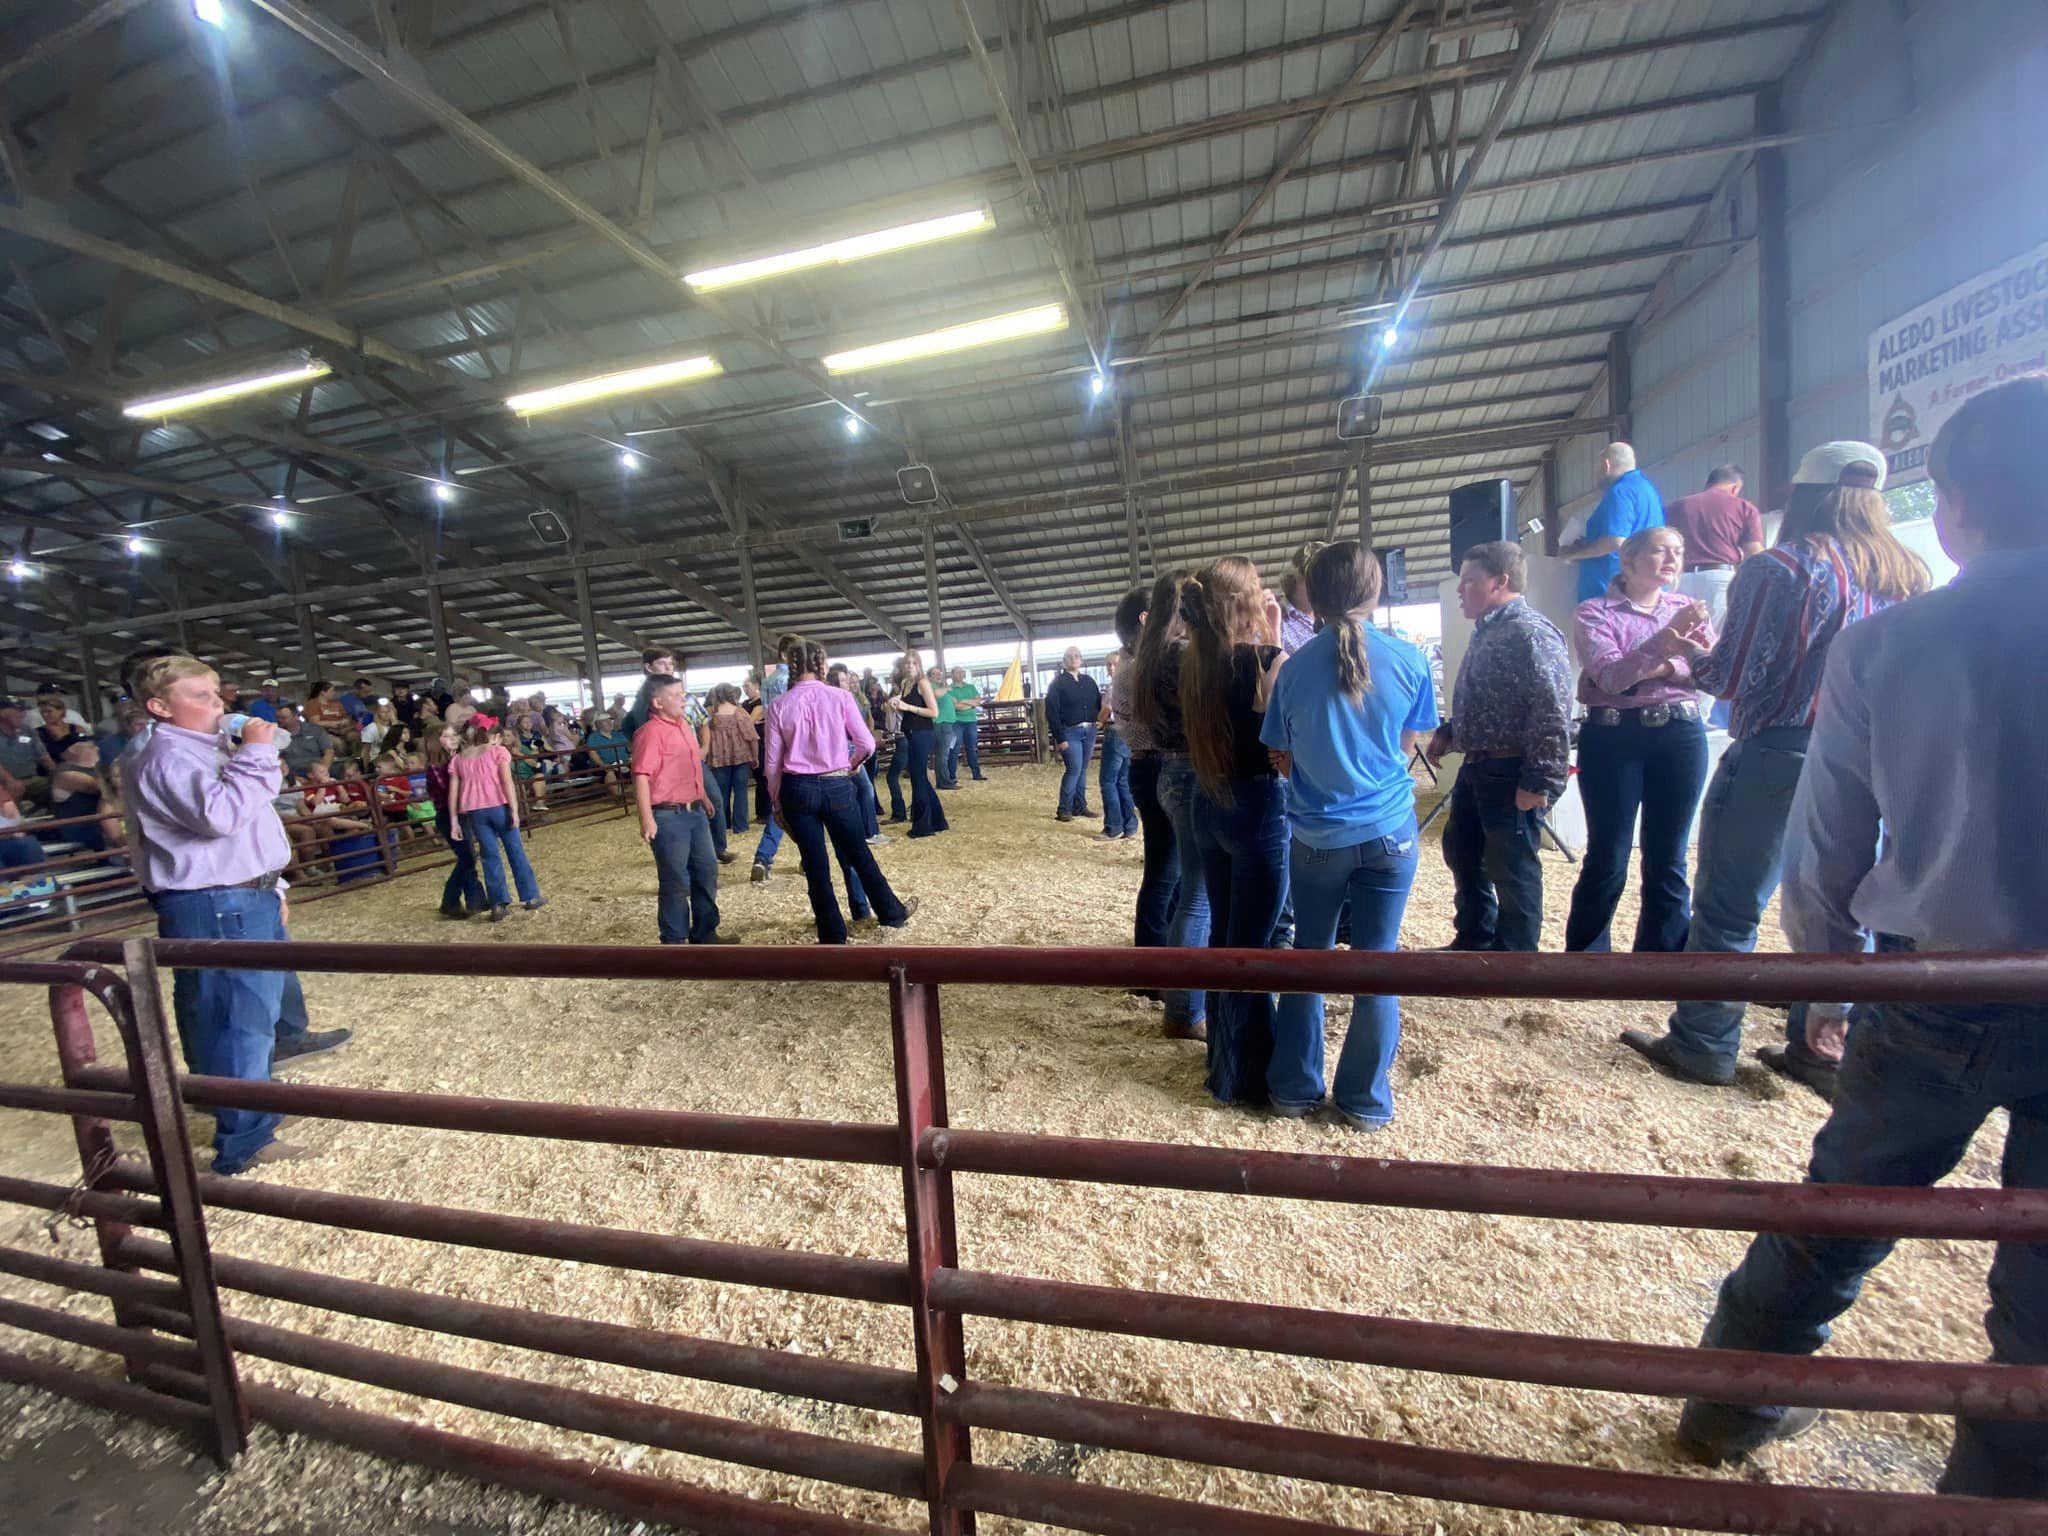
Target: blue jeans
x=1917, y=1083
x=491, y=829
x=1624, y=768
x=1119, y=810
x=1189, y=928
x=966, y=743
x=822, y=811
x=1244, y=866
x=227, y=1020
x=771, y=842
x=927, y=816
x=19, y=852
x=686, y=869
x=1160, y=883
x=946, y=753
x=1374, y=877
x=1077, y=745
x=870, y=810
x=462, y=891
x=727, y=789
x=1742, y=855
x=1491, y=850
x=899, y=759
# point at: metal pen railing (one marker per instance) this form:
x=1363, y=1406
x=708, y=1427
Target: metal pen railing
x=178, y=1347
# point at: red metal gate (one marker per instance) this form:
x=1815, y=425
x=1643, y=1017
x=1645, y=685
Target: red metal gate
x=179, y=1349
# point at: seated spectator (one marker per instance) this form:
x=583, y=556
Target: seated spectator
x=17, y=849
x=527, y=719
x=607, y=744
x=360, y=702
x=130, y=721
x=353, y=840
x=113, y=815
x=309, y=744
x=51, y=693
x=22, y=776
x=231, y=699
x=323, y=707
x=384, y=731
x=267, y=702
x=75, y=790
x=56, y=734
x=426, y=718
x=556, y=738
x=524, y=773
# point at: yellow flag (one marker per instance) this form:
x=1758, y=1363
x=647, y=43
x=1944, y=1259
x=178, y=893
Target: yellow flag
x=1013, y=680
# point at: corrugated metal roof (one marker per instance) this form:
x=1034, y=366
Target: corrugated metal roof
x=1153, y=130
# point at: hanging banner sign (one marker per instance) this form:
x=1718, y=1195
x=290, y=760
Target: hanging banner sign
x=1930, y=360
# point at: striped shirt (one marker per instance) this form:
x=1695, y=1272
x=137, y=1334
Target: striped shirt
x=1785, y=607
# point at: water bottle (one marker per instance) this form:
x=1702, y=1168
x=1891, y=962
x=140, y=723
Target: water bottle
x=231, y=726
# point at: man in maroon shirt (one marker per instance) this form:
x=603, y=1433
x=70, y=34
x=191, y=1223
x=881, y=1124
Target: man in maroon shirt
x=1721, y=530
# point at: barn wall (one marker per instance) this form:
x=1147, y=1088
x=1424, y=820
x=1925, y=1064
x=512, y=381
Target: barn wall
x=1880, y=220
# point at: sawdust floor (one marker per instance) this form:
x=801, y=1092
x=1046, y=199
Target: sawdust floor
x=1538, y=1084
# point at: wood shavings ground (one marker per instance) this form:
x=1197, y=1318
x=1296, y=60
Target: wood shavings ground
x=1532, y=1083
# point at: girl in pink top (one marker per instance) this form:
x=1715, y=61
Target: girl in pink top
x=814, y=731
x=485, y=810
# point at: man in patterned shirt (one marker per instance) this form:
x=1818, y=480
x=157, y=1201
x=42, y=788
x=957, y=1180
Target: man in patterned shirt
x=1510, y=713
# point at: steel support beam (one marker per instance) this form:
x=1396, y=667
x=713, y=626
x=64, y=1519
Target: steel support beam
x=931, y=597
x=1773, y=308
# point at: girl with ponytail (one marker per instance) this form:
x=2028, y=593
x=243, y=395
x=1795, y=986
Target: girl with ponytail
x=1240, y=818
x=1345, y=715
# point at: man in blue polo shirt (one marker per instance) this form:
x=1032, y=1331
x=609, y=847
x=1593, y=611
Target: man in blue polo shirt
x=1630, y=505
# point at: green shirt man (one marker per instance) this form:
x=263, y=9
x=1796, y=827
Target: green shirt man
x=962, y=702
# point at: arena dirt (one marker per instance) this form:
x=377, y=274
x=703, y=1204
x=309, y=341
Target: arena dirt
x=1536, y=1083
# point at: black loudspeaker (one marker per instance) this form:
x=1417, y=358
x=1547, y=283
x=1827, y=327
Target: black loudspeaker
x=1481, y=513
x=1394, y=576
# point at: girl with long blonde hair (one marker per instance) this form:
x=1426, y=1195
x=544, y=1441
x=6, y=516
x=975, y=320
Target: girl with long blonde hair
x=1240, y=816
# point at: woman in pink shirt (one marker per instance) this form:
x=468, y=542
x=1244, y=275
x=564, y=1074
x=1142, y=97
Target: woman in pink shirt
x=485, y=809
x=1642, y=747
x=814, y=731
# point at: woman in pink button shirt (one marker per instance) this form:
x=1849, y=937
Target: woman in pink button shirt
x=1641, y=746
x=814, y=731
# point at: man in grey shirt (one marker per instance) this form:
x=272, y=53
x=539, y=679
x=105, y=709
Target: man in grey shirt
x=310, y=743
x=18, y=761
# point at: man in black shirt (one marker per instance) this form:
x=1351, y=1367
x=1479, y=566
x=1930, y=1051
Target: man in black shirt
x=1072, y=706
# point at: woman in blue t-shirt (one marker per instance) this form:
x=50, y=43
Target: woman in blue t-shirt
x=1345, y=714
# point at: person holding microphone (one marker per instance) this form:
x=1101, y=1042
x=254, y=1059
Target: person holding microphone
x=207, y=846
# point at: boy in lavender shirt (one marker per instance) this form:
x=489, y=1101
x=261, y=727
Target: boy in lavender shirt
x=207, y=846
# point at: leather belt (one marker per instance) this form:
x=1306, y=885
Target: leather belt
x=260, y=883
x=671, y=805
x=1651, y=715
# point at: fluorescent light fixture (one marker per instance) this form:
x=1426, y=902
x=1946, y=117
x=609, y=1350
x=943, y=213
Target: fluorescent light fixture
x=228, y=389
x=853, y=426
x=211, y=12
x=1037, y=321
x=839, y=252
x=136, y=546
x=604, y=385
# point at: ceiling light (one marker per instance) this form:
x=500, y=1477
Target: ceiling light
x=604, y=385
x=278, y=517
x=628, y=459
x=853, y=426
x=1037, y=321
x=838, y=252
x=1097, y=384
x=443, y=491
x=1389, y=337
x=228, y=389
x=136, y=546
x=20, y=570
x=211, y=12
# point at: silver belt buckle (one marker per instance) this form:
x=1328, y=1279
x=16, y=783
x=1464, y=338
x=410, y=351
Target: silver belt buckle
x=1656, y=714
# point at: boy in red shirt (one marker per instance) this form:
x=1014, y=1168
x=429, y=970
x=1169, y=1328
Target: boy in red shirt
x=675, y=817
